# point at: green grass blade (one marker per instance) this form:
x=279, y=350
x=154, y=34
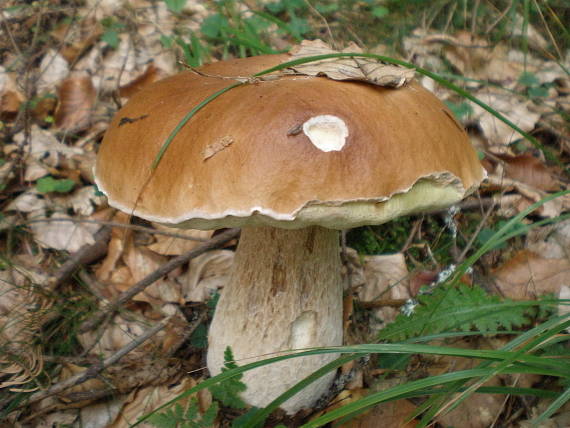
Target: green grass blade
x=185, y=120
x=554, y=406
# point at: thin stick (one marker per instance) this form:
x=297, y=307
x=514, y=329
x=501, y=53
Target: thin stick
x=215, y=242
x=85, y=255
x=95, y=369
x=114, y=224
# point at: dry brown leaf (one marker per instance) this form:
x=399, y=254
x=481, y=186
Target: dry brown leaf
x=10, y=96
x=551, y=242
x=479, y=410
x=43, y=151
x=530, y=170
x=61, y=235
x=142, y=262
x=53, y=69
x=206, y=274
x=144, y=400
x=171, y=246
x=528, y=275
x=386, y=278
x=391, y=414
x=22, y=313
x=466, y=51
x=152, y=74
x=361, y=69
x=497, y=132
x=528, y=196
x=217, y=146
x=76, y=96
x=27, y=202
x=115, y=248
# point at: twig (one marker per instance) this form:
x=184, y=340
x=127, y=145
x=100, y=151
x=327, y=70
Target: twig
x=113, y=224
x=85, y=255
x=122, y=388
x=482, y=223
x=394, y=303
x=95, y=369
x=316, y=12
x=215, y=242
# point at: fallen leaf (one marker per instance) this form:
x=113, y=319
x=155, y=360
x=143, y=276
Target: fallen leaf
x=497, y=132
x=530, y=170
x=115, y=248
x=27, y=202
x=10, y=96
x=76, y=100
x=386, y=278
x=528, y=196
x=43, y=151
x=392, y=414
x=124, y=328
x=528, y=275
x=355, y=68
x=142, y=262
x=551, y=242
x=61, y=235
x=172, y=246
x=206, y=274
x=53, y=69
x=144, y=400
x=152, y=74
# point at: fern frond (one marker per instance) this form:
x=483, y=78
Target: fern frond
x=457, y=308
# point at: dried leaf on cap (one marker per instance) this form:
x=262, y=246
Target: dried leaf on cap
x=217, y=146
x=354, y=68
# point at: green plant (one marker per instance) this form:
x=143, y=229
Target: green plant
x=228, y=392
x=112, y=29
x=458, y=308
x=49, y=184
x=178, y=417
x=175, y=6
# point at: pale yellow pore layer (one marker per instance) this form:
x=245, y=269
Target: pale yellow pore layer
x=438, y=191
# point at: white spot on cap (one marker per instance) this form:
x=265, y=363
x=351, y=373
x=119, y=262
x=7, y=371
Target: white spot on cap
x=328, y=133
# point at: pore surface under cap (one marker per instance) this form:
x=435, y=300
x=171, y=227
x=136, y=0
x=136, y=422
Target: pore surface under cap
x=245, y=158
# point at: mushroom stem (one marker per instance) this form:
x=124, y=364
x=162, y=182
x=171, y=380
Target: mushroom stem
x=285, y=293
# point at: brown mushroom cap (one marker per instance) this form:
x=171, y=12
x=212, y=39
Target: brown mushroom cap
x=245, y=158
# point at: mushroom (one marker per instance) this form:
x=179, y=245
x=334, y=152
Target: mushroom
x=292, y=161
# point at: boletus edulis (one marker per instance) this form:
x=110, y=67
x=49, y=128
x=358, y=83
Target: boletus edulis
x=291, y=161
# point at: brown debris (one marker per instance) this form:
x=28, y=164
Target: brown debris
x=76, y=100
